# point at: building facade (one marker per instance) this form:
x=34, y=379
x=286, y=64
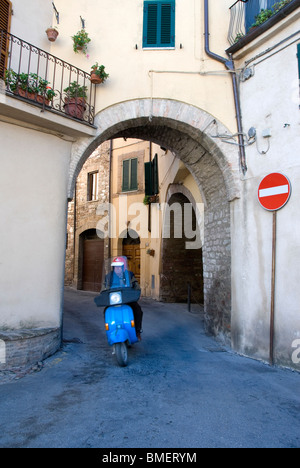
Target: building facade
x=222, y=98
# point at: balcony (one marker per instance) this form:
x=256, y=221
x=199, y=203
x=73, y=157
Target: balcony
x=250, y=18
x=34, y=76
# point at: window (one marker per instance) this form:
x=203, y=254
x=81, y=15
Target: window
x=92, y=187
x=159, y=24
x=129, y=180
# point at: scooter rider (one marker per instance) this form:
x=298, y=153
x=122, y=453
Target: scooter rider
x=116, y=278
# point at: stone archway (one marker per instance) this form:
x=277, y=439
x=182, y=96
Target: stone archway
x=189, y=133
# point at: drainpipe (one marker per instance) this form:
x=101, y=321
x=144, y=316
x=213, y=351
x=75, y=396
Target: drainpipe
x=229, y=64
x=110, y=194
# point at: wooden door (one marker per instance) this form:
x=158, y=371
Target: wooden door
x=133, y=254
x=92, y=266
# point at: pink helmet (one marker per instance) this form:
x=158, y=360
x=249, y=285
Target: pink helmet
x=119, y=261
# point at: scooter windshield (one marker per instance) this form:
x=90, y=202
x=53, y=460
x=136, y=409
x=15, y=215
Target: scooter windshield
x=117, y=275
x=119, y=285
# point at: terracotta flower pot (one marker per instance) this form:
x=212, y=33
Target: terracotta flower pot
x=21, y=92
x=95, y=79
x=41, y=99
x=75, y=107
x=30, y=96
x=51, y=34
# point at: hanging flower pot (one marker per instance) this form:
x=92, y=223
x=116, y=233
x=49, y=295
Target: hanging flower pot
x=95, y=79
x=52, y=34
x=80, y=41
x=98, y=74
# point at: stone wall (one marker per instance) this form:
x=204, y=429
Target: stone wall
x=28, y=346
x=81, y=212
x=180, y=266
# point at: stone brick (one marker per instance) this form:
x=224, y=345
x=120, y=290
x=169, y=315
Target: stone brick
x=26, y=347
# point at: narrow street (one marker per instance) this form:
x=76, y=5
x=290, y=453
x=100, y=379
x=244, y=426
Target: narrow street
x=181, y=389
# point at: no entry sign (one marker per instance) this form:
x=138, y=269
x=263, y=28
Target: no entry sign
x=274, y=191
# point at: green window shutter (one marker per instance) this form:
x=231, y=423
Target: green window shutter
x=151, y=177
x=148, y=179
x=155, y=175
x=125, y=182
x=130, y=175
x=134, y=174
x=166, y=24
x=151, y=35
x=159, y=23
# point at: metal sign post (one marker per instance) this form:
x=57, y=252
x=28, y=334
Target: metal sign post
x=273, y=194
x=272, y=314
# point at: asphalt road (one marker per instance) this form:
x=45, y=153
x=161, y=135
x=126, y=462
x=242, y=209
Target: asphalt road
x=181, y=389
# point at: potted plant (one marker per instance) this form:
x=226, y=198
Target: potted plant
x=21, y=84
x=52, y=33
x=44, y=92
x=80, y=41
x=151, y=199
x=238, y=37
x=29, y=86
x=98, y=74
x=75, y=100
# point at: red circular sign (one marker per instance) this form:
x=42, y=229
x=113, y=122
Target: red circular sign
x=274, y=191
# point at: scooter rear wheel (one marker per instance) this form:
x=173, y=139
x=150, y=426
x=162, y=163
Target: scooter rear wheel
x=121, y=354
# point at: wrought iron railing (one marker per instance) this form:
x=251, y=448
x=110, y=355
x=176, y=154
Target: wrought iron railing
x=245, y=13
x=36, y=76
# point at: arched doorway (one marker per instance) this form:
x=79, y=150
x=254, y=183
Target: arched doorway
x=190, y=133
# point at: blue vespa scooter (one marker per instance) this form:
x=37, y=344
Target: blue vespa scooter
x=115, y=296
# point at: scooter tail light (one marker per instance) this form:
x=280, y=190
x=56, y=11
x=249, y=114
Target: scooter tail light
x=106, y=327
x=132, y=323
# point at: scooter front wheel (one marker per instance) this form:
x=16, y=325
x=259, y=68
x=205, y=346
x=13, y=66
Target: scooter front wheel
x=121, y=354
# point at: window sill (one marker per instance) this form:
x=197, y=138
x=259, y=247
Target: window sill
x=158, y=48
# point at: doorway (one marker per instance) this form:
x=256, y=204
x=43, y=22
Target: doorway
x=92, y=260
x=182, y=268
x=131, y=248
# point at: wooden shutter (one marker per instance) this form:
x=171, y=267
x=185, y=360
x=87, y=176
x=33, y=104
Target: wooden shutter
x=130, y=175
x=155, y=175
x=126, y=177
x=148, y=179
x=152, y=24
x=151, y=177
x=5, y=17
x=166, y=24
x=133, y=174
x=159, y=23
